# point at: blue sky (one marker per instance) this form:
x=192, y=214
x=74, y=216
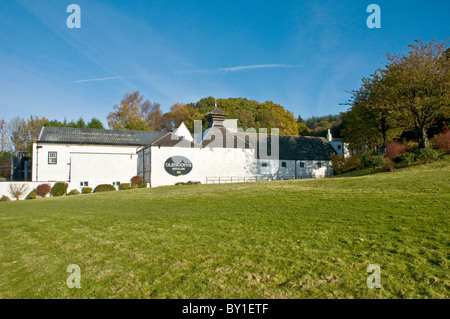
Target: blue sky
x=303, y=55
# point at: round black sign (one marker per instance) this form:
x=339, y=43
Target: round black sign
x=178, y=165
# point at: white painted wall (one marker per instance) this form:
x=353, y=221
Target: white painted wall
x=293, y=169
x=98, y=164
x=95, y=164
x=226, y=163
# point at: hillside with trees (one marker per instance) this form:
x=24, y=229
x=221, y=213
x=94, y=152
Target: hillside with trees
x=136, y=113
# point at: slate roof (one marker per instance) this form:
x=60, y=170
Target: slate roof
x=70, y=135
x=216, y=111
x=171, y=139
x=303, y=148
x=220, y=136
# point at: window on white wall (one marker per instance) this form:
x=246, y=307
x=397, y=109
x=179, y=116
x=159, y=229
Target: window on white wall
x=319, y=164
x=302, y=164
x=264, y=164
x=283, y=164
x=84, y=184
x=52, y=157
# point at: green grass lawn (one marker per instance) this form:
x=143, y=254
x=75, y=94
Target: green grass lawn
x=291, y=239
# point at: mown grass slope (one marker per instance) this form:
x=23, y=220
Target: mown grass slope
x=292, y=239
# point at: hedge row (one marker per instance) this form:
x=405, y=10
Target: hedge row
x=60, y=189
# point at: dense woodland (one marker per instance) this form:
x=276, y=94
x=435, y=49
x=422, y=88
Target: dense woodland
x=408, y=99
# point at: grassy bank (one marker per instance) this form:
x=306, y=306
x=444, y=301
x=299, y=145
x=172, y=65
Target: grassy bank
x=292, y=239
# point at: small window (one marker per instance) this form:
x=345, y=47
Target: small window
x=302, y=164
x=264, y=164
x=116, y=184
x=339, y=147
x=84, y=184
x=52, y=157
x=283, y=164
x=319, y=164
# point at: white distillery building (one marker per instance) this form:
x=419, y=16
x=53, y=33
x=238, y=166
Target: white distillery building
x=89, y=157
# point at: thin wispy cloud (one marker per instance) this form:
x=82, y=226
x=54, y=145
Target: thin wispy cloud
x=99, y=79
x=244, y=68
x=116, y=77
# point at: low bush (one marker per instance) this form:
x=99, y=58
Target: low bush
x=406, y=158
x=43, y=189
x=425, y=154
x=135, y=180
x=142, y=183
x=187, y=183
x=86, y=190
x=411, y=146
x=443, y=141
x=342, y=165
x=73, y=192
x=59, y=189
x=388, y=164
x=134, y=186
x=394, y=150
x=104, y=188
x=442, y=152
x=337, y=163
x=18, y=190
x=125, y=186
x=372, y=160
x=5, y=198
x=31, y=195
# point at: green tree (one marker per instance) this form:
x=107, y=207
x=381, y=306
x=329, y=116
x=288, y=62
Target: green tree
x=5, y=144
x=129, y=114
x=420, y=83
x=20, y=136
x=95, y=123
x=371, y=121
x=81, y=123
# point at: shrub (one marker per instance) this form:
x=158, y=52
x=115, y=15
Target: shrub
x=134, y=186
x=5, y=199
x=73, y=192
x=353, y=162
x=425, y=154
x=342, y=165
x=17, y=190
x=142, y=183
x=372, y=160
x=104, y=188
x=411, y=146
x=135, y=180
x=337, y=163
x=394, y=150
x=125, y=186
x=86, y=190
x=187, y=183
x=388, y=164
x=31, y=195
x=406, y=158
x=59, y=189
x=443, y=141
x=43, y=189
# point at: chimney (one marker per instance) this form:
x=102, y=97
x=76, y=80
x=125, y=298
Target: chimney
x=329, y=136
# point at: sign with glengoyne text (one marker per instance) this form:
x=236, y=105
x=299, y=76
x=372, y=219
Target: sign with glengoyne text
x=178, y=165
